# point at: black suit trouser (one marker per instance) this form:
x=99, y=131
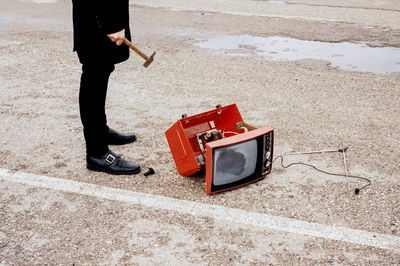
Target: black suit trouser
x=92, y=99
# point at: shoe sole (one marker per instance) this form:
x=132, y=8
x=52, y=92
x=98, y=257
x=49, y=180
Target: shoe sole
x=98, y=169
x=121, y=143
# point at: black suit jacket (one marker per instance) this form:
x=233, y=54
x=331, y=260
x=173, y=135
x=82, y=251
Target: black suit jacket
x=92, y=21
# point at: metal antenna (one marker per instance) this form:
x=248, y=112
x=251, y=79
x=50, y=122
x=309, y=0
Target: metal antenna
x=342, y=150
x=311, y=152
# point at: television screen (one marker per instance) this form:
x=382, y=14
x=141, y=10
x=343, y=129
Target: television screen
x=235, y=162
x=238, y=160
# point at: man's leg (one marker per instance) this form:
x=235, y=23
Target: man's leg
x=92, y=97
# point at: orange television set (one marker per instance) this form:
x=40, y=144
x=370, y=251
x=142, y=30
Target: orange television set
x=218, y=142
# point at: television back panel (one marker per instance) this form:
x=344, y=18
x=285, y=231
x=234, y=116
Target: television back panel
x=183, y=141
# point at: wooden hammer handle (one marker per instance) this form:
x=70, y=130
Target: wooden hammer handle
x=130, y=45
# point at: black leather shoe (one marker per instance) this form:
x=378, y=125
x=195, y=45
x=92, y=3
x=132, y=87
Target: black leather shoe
x=111, y=163
x=115, y=138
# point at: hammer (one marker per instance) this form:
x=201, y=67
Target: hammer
x=149, y=59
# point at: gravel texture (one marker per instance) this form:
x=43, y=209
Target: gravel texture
x=310, y=105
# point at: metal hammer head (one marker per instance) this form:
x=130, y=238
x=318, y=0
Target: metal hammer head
x=149, y=60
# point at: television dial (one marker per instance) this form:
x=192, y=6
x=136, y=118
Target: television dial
x=267, y=155
x=267, y=164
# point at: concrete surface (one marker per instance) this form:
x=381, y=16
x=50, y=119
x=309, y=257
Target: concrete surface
x=311, y=106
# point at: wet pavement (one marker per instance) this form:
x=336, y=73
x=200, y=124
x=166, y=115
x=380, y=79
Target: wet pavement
x=276, y=2
x=345, y=56
x=44, y=1
x=5, y=20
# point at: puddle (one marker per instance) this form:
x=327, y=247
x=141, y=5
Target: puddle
x=202, y=13
x=5, y=20
x=43, y=1
x=276, y=2
x=345, y=56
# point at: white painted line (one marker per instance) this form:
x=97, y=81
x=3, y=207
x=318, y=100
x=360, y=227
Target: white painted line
x=238, y=216
x=246, y=14
x=265, y=9
x=4, y=173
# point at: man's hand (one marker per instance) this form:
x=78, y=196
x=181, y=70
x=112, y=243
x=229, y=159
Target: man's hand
x=117, y=37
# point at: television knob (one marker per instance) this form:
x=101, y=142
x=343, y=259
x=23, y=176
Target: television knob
x=267, y=164
x=267, y=155
x=267, y=143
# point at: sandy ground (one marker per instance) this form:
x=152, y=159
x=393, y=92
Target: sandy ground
x=310, y=105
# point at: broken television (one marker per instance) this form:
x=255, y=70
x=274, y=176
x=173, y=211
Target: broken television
x=220, y=144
